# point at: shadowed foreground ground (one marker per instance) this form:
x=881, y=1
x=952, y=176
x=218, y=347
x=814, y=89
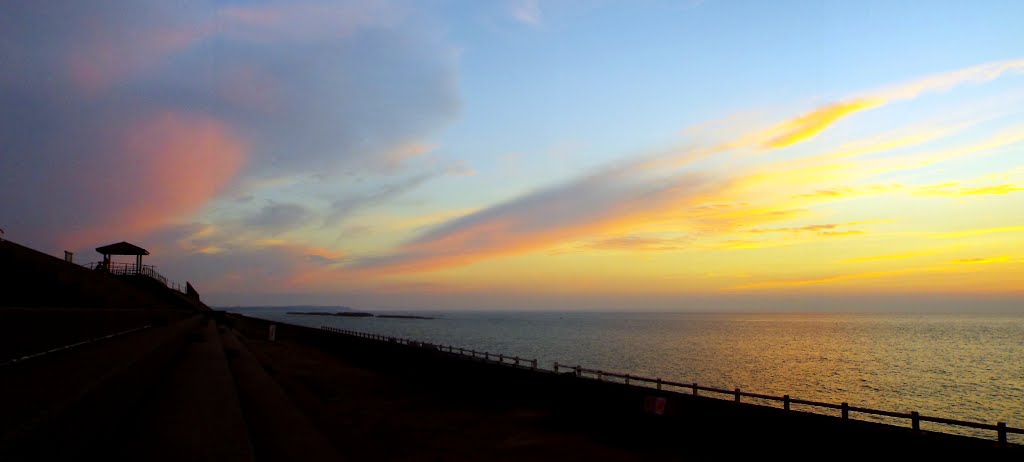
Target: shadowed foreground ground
x=196, y=391
x=203, y=389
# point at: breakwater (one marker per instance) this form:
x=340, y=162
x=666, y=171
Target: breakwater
x=669, y=417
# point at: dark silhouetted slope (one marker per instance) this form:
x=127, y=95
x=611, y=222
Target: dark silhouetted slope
x=29, y=278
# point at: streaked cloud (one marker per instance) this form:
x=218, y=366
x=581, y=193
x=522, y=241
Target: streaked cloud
x=981, y=232
x=343, y=207
x=275, y=218
x=637, y=244
x=982, y=261
x=887, y=257
x=807, y=126
x=946, y=81
x=811, y=124
x=957, y=190
x=828, y=229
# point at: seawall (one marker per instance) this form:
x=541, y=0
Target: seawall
x=623, y=413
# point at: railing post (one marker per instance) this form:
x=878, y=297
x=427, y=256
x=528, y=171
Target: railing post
x=915, y=421
x=694, y=388
x=533, y=364
x=517, y=361
x=627, y=379
x=737, y=395
x=659, y=382
x=785, y=402
x=600, y=376
x=554, y=367
x=578, y=371
x=846, y=411
x=1001, y=428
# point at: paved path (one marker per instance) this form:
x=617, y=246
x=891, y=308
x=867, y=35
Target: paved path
x=196, y=391
x=189, y=391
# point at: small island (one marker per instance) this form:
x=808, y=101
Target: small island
x=358, y=314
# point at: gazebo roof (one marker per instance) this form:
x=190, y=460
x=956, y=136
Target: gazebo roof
x=122, y=248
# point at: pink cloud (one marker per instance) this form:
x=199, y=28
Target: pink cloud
x=164, y=167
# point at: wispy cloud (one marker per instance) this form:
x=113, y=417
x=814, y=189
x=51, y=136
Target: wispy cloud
x=275, y=218
x=981, y=232
x=957, y=190
x=982, y=261
x=828, y=229
x=809, y=125
x=637, y=244
x=844, y=192
x=527, y=12
x=346, y=206
x=887, y=257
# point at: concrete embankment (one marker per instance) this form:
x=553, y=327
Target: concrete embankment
x=616, y=413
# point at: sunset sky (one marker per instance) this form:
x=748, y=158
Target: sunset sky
x=563, y=154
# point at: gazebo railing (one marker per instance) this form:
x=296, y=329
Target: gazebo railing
x=128, y=269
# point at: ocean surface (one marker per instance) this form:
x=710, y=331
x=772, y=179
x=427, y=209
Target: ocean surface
x=959, y=366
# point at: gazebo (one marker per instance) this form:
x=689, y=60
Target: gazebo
x=123, y=248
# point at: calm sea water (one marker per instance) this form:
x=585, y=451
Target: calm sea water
x=967, y=367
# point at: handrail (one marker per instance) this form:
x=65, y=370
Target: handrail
x=131, y=269
x=600, y=375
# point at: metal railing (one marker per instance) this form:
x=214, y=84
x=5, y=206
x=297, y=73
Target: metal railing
x=131, y=269
x=736, y=394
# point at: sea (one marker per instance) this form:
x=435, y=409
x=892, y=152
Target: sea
x=959, y=366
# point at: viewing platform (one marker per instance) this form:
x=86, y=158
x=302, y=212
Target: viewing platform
x=107, y=265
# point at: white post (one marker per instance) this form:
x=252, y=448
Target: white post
x=273, y=332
